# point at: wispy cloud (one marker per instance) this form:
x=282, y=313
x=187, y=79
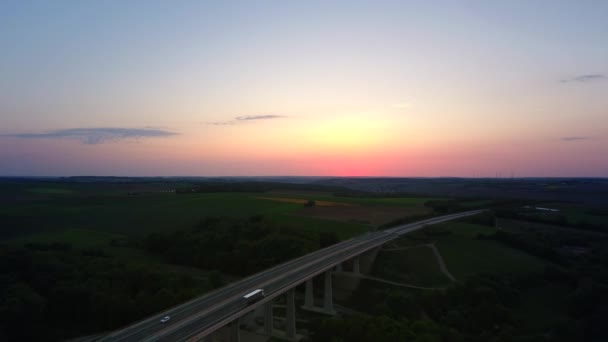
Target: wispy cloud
x=585, y=78
x=259, y=117
x=575, y=138
x=240, y=119
x=221, y=123
x=93, y=136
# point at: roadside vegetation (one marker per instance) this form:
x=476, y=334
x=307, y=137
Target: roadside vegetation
x=239, y=247
x=567, y=215
x=513, y=284
x=52, y=291
x=79, y=257
x=414, y=265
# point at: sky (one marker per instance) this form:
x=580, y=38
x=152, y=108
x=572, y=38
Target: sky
x=305, y=88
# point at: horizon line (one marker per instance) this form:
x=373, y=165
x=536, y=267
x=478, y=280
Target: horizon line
x=296, y=176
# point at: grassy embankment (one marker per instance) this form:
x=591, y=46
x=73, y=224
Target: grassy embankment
x=465, y=256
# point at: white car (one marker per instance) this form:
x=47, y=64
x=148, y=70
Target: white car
x=165, y=319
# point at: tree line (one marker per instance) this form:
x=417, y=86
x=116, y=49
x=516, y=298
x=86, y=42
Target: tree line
x=239, y=247
x=51, y=291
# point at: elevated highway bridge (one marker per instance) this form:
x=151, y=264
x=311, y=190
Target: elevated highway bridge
x=198, y=318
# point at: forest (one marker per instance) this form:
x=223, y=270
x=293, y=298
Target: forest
x=52, y=291
x=238, y=247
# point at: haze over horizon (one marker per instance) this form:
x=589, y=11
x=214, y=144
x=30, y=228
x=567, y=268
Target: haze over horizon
x=347, y=88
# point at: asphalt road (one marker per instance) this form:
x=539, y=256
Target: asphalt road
x=213, y=310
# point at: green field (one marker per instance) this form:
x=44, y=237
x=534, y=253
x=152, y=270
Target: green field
x=577, y=215
x=138, y=214
x=58, y=210
x=92, y=214
x=80, y=238
x=465, y=255
x=112, y=217
x=414, y=266
x=371, y=201
x=54, y=191
x=571, y=214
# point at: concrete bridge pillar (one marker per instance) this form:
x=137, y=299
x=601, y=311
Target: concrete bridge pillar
x=235, y=333
x=290, y=324
x=309, y=294
x=367, y=260
x=356, y=267
x=328, y=301
x=268, y=318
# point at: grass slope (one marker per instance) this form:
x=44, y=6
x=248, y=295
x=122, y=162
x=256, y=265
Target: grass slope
x=464, y=255
x=414, y=266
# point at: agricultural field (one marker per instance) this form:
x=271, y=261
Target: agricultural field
x=510, y=225
x=138, y=236
x=142, y=209
x=574, y=214
x=563, y=214
x=189, y=239
x=80, y=238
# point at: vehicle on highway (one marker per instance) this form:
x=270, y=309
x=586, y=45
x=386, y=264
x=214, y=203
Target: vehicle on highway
x=254, y=296
x=165, y=319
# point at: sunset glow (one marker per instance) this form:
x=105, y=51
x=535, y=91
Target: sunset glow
x=365, y=89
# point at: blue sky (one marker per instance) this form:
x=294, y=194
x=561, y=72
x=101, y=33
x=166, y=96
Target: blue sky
x=420, y=88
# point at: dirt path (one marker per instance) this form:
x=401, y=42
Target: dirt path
x=442, y=266
x=438, y=256
x=396, y=249
x=363, y=276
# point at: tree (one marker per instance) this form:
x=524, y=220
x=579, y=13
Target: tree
x=327, y=239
